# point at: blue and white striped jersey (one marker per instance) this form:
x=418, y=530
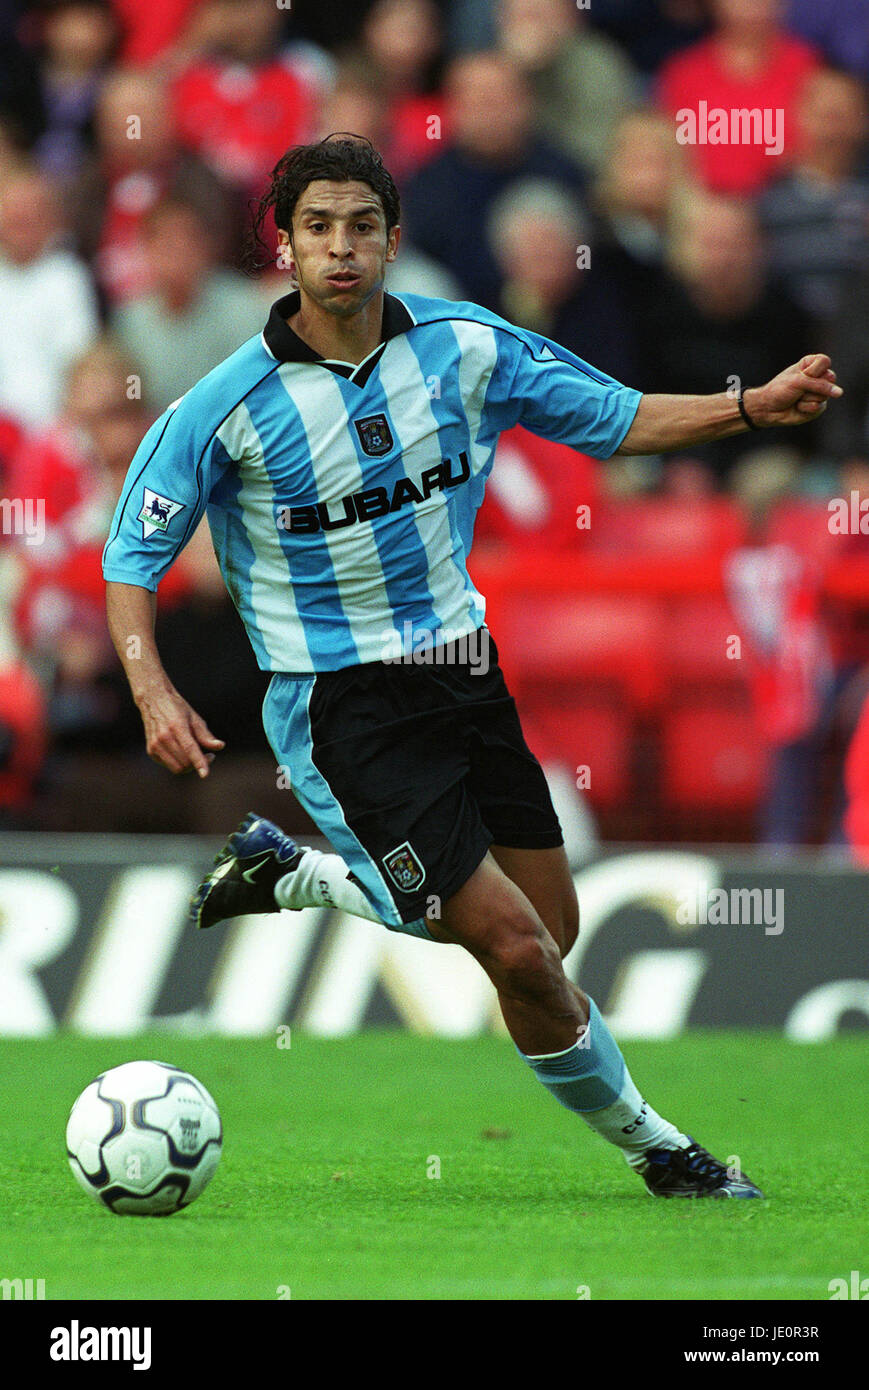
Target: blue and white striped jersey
x=341, y=499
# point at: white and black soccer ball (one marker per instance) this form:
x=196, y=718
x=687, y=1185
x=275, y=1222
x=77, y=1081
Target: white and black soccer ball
x=144, y=1138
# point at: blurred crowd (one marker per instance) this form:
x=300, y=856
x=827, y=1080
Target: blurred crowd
x=545, y=173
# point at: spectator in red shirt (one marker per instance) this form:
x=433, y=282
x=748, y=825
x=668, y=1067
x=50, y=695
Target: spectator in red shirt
x=22, y=740
x=808, y=653
x=748, y=63
x=138, y=162
x=243, y=105
x=11, y=439
x=152, y=31
x=75, y=471
x=856, y=817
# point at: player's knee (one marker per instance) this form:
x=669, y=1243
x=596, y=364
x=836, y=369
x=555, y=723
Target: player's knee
x=524, y=955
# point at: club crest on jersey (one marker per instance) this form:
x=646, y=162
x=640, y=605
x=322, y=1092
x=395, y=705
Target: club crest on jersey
x=375, y=435
x=157, y=512
x=404, y=868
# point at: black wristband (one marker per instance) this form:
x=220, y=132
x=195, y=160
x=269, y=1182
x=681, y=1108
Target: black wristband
x=744, y=413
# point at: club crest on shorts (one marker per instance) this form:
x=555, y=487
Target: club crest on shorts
x=375, y=436
x=157, y=512
x=404, y=868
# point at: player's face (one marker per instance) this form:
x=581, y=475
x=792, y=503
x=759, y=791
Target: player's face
x=340, y=247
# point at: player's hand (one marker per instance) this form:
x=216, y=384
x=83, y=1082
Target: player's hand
x=798, y=394
x=176, y=736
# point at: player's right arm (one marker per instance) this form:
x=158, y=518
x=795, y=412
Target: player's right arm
x=175, y=735
x=167, y=488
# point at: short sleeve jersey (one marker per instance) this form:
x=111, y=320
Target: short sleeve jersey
x=341, y=498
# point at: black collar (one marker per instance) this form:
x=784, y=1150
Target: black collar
x=287, y=346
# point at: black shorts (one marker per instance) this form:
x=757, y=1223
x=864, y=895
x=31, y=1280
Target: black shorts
x=413, y=771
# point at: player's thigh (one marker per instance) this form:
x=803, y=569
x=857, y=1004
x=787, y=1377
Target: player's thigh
x=544, y=876
x=488, y=915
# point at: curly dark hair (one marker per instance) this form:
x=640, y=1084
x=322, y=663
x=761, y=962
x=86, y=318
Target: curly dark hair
x=341, y=157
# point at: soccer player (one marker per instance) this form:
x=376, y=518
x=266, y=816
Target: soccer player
x=341, y=457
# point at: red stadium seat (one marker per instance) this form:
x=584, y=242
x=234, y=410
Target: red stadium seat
x=666, y=526
x=698, y=639
x=712, y=758
x=580, y=638
x=804, y=525
x=567, y=728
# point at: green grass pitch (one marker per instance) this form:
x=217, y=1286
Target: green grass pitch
x=324, y=1189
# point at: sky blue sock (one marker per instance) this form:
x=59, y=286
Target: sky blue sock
x=591, y=1078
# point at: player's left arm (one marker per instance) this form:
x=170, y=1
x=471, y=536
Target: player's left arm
x=798, y=394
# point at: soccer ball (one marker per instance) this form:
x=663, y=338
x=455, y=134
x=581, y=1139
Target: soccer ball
x=144, y=1138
